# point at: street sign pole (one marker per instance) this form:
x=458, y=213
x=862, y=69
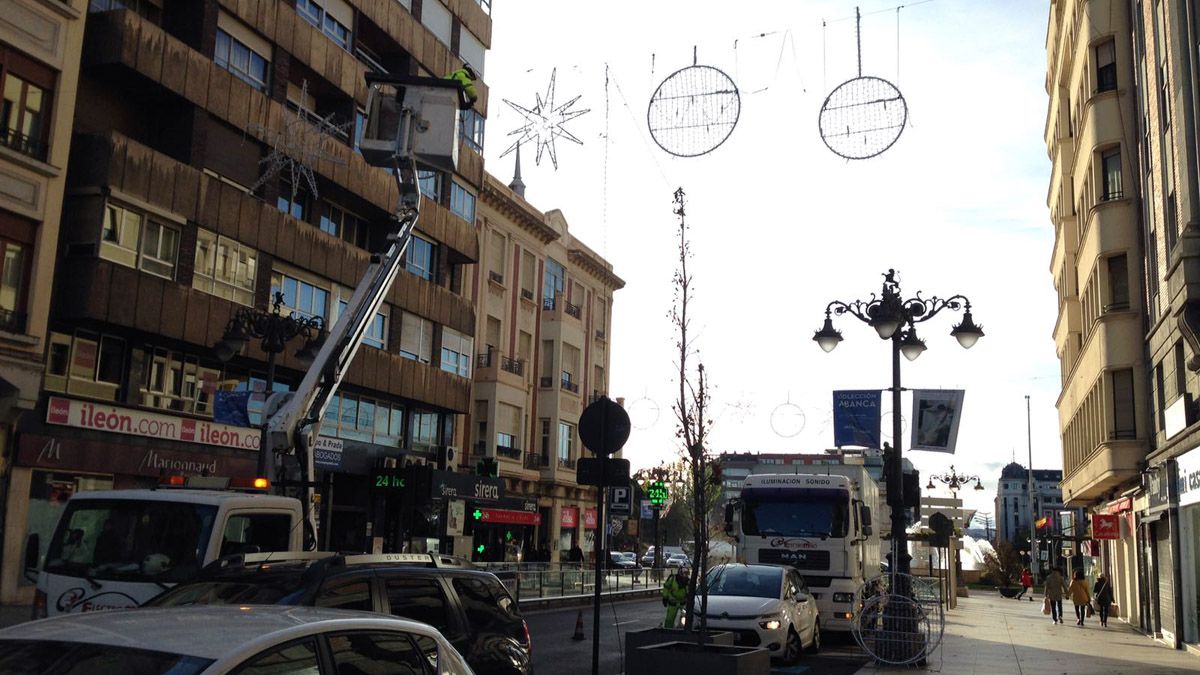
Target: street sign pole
x=600, y=553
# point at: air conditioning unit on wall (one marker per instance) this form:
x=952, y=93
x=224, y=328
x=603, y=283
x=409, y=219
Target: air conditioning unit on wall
x=448, y=458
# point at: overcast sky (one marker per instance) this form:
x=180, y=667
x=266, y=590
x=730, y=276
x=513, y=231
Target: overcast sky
x=781, y=226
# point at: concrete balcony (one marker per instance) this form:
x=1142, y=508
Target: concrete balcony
x=1110, y=463
x=505, y=370
x=1069, y=322
x=1116, y=341
x=1111, y=227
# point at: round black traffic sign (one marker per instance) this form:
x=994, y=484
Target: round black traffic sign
x=604, y=426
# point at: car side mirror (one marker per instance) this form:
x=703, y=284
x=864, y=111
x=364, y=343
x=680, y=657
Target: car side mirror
x=32, y=551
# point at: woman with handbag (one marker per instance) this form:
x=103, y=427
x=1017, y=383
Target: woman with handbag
x=1103, y=593
x=1081, y=596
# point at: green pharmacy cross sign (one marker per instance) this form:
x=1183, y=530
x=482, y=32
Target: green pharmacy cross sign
x=479, y=549
x=657, y=492
x=478, y=514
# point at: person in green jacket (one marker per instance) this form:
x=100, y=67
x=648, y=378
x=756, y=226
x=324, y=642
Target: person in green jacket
x=466, y=77
x=674, y=593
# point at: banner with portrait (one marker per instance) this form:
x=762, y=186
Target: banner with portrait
x=936, y=414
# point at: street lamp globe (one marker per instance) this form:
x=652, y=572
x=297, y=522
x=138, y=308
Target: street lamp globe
x=967, y=333
x=912, y=346
x=828, y=337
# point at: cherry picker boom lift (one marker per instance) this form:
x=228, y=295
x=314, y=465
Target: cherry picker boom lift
x=411, y=122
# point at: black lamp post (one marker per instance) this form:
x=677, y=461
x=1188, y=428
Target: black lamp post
x=276, y=331
x=954, y=481
x=894, y=318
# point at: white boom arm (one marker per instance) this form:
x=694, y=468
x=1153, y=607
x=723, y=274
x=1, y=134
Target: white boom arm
x=294, y=418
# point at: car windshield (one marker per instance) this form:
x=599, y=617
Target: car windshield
x=131, y=540
x=781, y=516
x=753, y=582
x=276, y=589
x=53, y=657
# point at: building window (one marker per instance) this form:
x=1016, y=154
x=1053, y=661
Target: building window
x=1110, y=166
x=545, y=435
x=504, y=440
x=1180, y=370
x=552, y=283
x=1118, y=284
x=86, y=363
x=299, y=296
x=420, y=257
x=1124, y=423
x=321, y=16
x=23, y=116
x=132, y=239
x=462, y=203
x=1160, y=395
x=224, y=267
x=471, y=129
x=294, y=201
x=430, y=184
x=416, y=337
x=1106, y=66
x=424, y=428
x=245, y=63
x=362, y=419
x=13, y=271
x=360, y=125
x=176, y=381
x=456, y=352
x=566, y=435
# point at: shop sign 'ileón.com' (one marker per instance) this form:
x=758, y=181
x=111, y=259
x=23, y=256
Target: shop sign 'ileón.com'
x=111, y=419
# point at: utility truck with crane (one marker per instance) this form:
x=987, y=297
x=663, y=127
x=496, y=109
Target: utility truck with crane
x=118, y=548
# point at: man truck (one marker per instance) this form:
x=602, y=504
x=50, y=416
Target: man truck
x=819, y=524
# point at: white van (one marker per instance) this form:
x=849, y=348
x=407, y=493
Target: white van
x=118, y=548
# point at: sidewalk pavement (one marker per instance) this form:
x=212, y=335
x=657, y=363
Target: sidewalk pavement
x=990, y=635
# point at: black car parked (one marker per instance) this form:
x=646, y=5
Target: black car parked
x=470, y=607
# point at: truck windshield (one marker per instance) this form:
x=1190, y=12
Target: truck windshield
x=131, y=540
x=813, y=516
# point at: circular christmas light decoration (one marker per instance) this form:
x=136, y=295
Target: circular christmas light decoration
x=885, y=425
x=643, y=413
x=693, y=111
x=787, y=420
x=864, y=116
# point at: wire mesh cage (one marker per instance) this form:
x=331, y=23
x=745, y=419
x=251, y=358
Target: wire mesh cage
x=901, y=619
x=693, y=111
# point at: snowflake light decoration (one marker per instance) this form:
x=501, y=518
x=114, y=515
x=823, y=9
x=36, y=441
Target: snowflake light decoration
x=298, y=146
x=544, y=123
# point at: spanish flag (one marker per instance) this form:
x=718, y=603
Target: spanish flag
x=1040, y=522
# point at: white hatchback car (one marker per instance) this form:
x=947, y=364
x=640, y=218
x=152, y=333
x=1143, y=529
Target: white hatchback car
x=223, y=639
x=765, y=606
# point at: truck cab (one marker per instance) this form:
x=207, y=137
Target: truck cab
x=116, y=549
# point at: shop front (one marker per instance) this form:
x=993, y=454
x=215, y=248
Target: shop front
x=1157, y=527
x=502, y=530
x=78, y=445
x=568, y=537
x=1114, y=527
x=1188, y=488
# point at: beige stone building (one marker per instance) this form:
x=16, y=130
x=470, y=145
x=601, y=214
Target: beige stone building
x=1091, y=135
x=40, y=43
x=544, y=316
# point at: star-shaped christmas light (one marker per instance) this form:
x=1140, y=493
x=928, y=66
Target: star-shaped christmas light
x=544, y=123
x=298, y=146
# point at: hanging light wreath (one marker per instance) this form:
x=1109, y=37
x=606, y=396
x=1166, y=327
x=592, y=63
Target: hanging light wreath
x=694, y=110
x=864, y=116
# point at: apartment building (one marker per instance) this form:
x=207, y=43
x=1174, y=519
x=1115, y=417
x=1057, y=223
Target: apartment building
x=544, y=304
x=1013, y=509
x=1095, y=204
x=175, y=219
x=39, y=71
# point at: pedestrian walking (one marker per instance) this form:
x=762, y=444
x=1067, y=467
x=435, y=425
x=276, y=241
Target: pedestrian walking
x=1081, y=596
x=674, y=594
x=1103, y=593
x=1026, y=583
x=1054, y=588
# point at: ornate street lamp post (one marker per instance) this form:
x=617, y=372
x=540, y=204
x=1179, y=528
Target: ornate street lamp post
x=275, y=331
x=895, y=318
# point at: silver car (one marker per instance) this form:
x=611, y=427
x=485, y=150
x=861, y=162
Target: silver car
x=222, y=639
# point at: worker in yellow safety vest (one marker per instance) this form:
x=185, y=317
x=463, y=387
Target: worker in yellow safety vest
x=674, y=593
x=466, y=77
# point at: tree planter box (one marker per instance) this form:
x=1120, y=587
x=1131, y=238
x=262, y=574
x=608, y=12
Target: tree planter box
x=653, y=636
x=693, y=659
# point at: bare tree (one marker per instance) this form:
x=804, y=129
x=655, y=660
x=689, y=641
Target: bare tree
x=692, y=422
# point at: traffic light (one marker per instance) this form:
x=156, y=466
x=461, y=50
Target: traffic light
x=487, y=466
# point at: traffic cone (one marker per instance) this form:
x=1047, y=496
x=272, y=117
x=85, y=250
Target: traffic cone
x=578, y=626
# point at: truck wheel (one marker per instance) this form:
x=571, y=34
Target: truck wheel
x=815, y=645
